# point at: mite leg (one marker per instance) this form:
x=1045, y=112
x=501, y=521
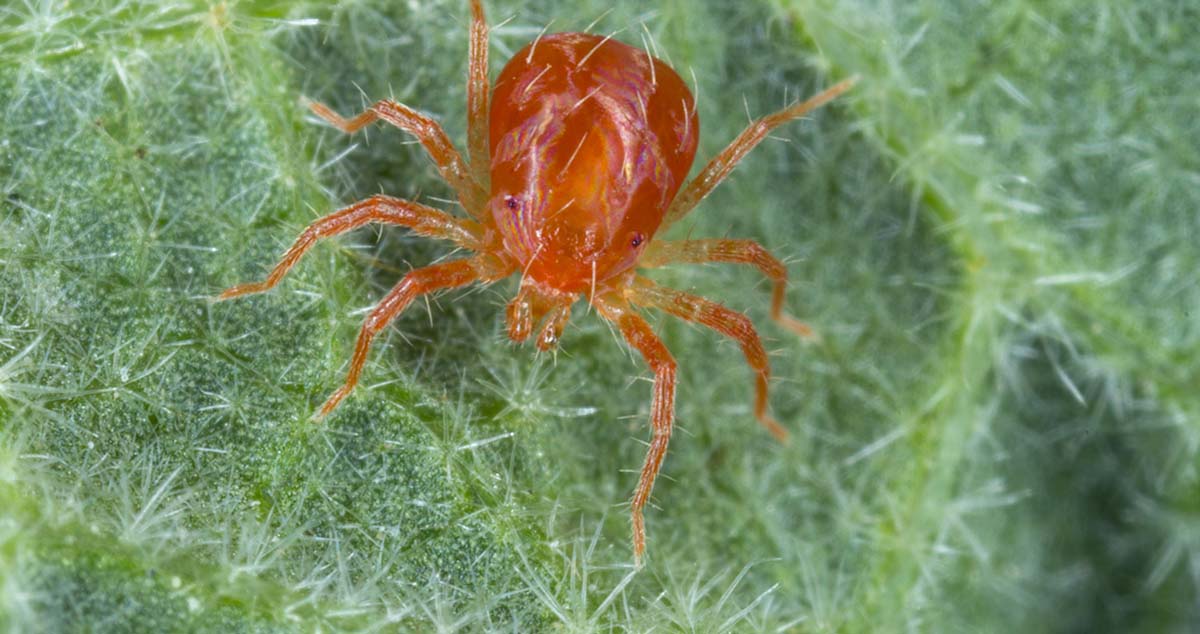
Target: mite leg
x=728, y=322
x=431, y=135
x=719, y=167
x=478, y=94
x=662, y=408
x=662, y=253
x=418, y=282
x=425, y=221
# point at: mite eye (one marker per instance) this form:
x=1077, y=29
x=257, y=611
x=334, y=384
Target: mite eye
x=511, y=202
x=637, y=240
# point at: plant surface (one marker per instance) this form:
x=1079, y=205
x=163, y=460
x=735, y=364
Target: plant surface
x=994, y=235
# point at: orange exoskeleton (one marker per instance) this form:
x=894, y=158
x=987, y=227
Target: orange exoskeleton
x=577, y=160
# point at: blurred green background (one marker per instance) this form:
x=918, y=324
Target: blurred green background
x=995, y=235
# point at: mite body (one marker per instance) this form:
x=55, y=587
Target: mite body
x=590, y=141
x=576, y=161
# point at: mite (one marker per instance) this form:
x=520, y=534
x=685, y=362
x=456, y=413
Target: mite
x=577, y=160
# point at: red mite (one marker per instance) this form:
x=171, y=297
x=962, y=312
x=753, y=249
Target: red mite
x=574, y=168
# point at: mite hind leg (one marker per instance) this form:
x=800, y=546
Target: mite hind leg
x=478, y=95
x=722, y=164
x=425, y=221
x=728, y=322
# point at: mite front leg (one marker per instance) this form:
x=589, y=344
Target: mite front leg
x=425, y=221
x=719, y=167
x=662, y=408
x=662, y=253
x=478, y=94
x=418, y=282
x=730, y=323
x=430, y=134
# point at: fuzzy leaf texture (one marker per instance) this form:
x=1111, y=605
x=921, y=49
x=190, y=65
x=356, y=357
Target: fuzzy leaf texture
x=994, y=233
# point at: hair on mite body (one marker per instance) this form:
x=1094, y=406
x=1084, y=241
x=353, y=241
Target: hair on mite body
x=576, y=159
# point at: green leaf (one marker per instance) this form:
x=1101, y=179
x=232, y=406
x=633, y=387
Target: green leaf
x=994, y=234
